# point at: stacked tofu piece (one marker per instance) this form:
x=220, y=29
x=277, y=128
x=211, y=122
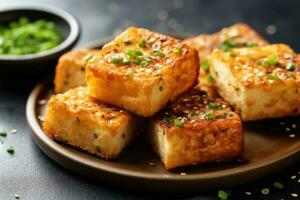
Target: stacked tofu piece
x=143, y=76
x=235, y=36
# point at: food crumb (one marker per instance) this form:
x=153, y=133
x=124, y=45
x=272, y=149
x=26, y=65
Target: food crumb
x=294, y=195
x=293, y=177
x=17, y=196
x=248, y=193
x=182, y=173
x=291, y=135
x=13, y=130
x=42, y=102
x=41, y=118
x=151, y=164
x=287, y=129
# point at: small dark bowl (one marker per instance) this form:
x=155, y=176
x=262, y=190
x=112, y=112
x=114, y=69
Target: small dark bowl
x=66, y=24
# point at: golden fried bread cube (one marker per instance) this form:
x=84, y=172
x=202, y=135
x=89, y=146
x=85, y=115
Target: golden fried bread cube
x=141, y=71
x=236, y=36
x=259, y=82
x=70, y=70
x=196, y=129
x=76, y=119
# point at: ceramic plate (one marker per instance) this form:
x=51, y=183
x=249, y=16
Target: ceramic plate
x=269, y=146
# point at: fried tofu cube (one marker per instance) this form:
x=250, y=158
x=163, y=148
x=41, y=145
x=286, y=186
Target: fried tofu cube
x=236, y=36
x=76, y=119
x=259, y=82
x=196, y=129
x=141, y=71
x=70, y=70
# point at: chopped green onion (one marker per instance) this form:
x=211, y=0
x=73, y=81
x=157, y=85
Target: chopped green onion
x=291, y=67
x=270, y=60
x=222, y=195
x=205, y=65
x=87, y=58
x=178, y=122
x=193, y=113
x=251, y=44
x=131, y=53
x=265, y=191
x=227, y=45
x=209, y=79
x=116, y=59
x=96, y=147
x=177, y=49
x=232, y=55
x=10, y=150
x=210, y=116
x=137, y=60
x=278, y=185
x=169, y=119
x=214, y=106
x=144, y=63
x=126, y=61
x=159, y=53
x=129, y=73
x=273, y=77
x=138, y=53
x=3, y=134
x=142, y=44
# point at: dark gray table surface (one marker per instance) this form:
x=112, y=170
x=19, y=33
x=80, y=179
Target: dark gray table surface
x=32, y=175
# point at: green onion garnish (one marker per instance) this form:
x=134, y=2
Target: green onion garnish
x=142, y=44
x=116, y=59
x=210, y=116
x=10, y=150
x=178, y=122
x=290, y=67
x=205, y=65
x=222, y=195
x=214, y=106
x=278, y=185
x=265, y=191
x=227, y=45
x=159, y=53
x=177, y=49
x=3, y=134
x=209, y=79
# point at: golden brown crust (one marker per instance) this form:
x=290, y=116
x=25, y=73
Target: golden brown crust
x=196, y=129
x=91, y=125
x=236, y=36
x=151, y=75
x=70, y=70
x=259, y=82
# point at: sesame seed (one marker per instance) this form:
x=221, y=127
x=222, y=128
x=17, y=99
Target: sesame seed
x=291, y=135
x=293, y=177
x=294, y=195
x=13, y=130
x=41, y=118
x=42, y=102
x=294, y=125
x=182, y=173
x=151, y=164
x=281, y=123
x=248, y=193
x=288, y=129
x=298, y=180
